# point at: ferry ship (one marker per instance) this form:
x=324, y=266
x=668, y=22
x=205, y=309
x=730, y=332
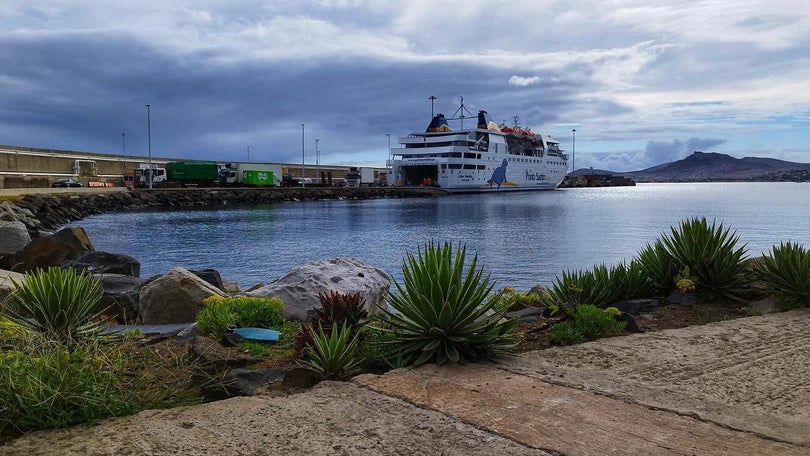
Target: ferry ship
x=488, y=158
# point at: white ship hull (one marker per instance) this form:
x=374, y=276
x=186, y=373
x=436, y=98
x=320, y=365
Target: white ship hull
x=478, y=160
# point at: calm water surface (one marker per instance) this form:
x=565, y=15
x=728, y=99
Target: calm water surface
x=522, y=239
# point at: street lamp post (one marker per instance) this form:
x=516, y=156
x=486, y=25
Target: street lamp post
x=573, y=151
x=124, y=142
x=317, y=159
x=248, y=147
x=149, y=141
x=389, y=148
x=302, y=156
x=431, y=98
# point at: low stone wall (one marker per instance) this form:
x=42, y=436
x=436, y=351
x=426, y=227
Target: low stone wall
x=42, y=213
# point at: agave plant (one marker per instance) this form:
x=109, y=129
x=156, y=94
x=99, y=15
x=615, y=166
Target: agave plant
x=333, y=356
x=336, y=310
x=444, y=313
x=59, y=303
x=786, y=274
x=712, y=256
x=658, y=266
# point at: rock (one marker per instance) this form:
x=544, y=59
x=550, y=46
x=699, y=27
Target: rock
x=121, y=296
x=105, y=263
x=676, y=297
x=188, y=334
x=231, y=288
x=299, y=289
x=216, y=357
x=53, y=250
x=13, y=237
x=635, y=306
x=631, y=325
x=174, y=297
x=7, y=280
x=525, y=315
x=765, y=306
x=244, y=382
x=539, y=290
x=211, y=276
x=300, y=378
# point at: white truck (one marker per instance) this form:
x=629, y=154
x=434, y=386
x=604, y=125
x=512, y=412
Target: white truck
x=359, y=177
x=244, y=173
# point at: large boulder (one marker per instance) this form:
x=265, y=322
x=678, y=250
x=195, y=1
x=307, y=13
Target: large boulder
x=14, y=237
x=53, y=250
x=7, y=280
x=299, y=289
x=174, y=297
x=97, y=262
x=121, y=298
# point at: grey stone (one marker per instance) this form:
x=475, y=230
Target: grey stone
x=121, y=297
x=248, y=382
x=174, y=297
x=634, y=306
x=211, y=276
x=299, y=288
x=98, y=262
x=14, y=237
x=7, y=280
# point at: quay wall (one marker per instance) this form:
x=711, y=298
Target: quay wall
x=47, y=210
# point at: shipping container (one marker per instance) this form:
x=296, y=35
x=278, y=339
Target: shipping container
x=258, y=178
x=192, y=172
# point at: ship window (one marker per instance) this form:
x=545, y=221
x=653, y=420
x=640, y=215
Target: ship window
x=444, y=166
x=455, y=166
x=469, y=166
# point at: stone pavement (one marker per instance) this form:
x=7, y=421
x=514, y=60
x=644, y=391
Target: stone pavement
x=731, y=388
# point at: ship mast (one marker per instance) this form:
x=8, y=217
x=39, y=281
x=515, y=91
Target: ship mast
x=461, y=109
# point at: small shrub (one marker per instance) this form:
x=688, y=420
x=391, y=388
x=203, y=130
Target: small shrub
x=444, y=313
x=59, y=303
x=786, y=274
x=336, y=310
x=373, y=348
x=513, y=300
x=219, y=315
x=710, y=252
x=333, y=356
x=586, y=322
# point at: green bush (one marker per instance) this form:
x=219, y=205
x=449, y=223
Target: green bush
x=586, y=322
x=373, y=351
x=443, y=313
x=719, y=267
x=333, y=356
x=513, y=300
x=45, y=385
x=61, y=304
x=219, y=314
x=786, y=274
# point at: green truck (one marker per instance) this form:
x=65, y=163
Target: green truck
x=258, y=178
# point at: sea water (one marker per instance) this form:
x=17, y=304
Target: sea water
x=521, y=238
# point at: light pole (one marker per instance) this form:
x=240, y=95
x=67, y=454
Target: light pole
x=124, y=142
x=248, y=147
x=317, y=159
x=149, y=141
x=431, y=98
x=573, y=151
x=302, y=155
x=389, y=148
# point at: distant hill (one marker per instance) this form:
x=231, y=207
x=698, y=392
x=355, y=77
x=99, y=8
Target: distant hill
x=711, y=166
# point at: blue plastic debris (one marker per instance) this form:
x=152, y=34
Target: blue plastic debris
x=261, y=334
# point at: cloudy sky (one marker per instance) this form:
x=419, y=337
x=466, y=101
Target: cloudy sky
x=642, y=81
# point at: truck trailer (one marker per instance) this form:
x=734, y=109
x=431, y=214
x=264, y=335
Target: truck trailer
x=359, y=177
x=258, y=174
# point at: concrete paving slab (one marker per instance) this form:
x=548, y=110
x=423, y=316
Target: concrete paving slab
x=750, y=374
x=563, y=419
x=330, y=419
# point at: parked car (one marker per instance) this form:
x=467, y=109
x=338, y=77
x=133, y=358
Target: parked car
x=66, y=183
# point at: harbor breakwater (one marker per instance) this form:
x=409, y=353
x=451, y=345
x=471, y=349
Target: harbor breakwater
x=44, y=212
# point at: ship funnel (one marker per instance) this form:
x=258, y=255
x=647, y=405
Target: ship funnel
x=485, y=122
x=439, y=123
